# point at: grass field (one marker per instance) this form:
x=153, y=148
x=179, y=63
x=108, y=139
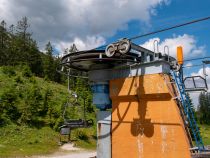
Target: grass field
x=25, y=141
x=21, y=141
x=205, y=133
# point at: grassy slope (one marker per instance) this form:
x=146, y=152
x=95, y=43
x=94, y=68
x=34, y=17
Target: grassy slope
x=205, y=133
x=22, y=140
x=26, y=141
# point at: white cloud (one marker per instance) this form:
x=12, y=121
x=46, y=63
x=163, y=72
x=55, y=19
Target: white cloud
x=88, y=43
x=65, y=20
x=188, y=42
x=188, y=65
x=190, y=49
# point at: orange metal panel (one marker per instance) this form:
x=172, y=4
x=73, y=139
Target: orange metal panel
x=180, y=57
x=146, y=122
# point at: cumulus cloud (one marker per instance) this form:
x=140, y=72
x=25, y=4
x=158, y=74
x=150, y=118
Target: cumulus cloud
x=190, y=49
x=88, y=43
x=188, y=42
x=67, y=20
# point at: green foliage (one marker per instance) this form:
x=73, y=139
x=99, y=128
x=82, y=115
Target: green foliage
x=192, y=106
x=205, y=133
x=8, y=70
x=83, y=90
x=18, y=79
x=17, y=47
x=26, y=71
x=81, y=134
x=9, y=109
x=23, y=141
x=26, y=99
x=204, y=108
x=32, y=107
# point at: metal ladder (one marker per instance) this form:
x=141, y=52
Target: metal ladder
x=188, y=111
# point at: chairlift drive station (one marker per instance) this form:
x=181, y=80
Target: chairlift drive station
x=150, y=113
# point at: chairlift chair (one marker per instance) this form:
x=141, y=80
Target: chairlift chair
x=70, y=124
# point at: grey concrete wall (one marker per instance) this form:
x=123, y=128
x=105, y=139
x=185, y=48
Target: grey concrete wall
x=104, y=134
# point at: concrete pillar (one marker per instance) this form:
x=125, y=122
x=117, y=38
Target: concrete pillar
x=103, y=134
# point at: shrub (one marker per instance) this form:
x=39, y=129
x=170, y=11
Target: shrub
x=9, y=70
x=26, y=71
x=18, y=79
x=8, y=104
x=81, y=134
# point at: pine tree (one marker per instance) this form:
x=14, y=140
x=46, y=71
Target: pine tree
x=204, y=107
x=49, y=64
x=191, y=105
x=3, y=43
x=22, y=31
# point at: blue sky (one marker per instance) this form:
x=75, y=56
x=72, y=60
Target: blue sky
x=176, y=12
x=91, y=23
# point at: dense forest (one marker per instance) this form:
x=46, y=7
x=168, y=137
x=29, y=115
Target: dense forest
x=22, y=61
x=203, y=112
x=17, y=47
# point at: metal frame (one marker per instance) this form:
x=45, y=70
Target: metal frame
x=196, y=88
x=134, y=55
x=177, y=76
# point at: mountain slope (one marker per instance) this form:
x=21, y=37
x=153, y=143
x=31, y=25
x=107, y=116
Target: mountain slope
x=31, y=111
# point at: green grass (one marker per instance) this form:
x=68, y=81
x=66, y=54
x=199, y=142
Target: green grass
x=37, y=140
x=22, y=141
x=85, y=138
x=205, y=134
x=26, y=141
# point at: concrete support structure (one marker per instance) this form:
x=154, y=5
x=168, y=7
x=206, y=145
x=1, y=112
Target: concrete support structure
x=104, y=134
x=146, y=121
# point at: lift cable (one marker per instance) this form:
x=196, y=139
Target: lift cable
x=170, y=28
x=198, y=65
x=207, y=57
x=162, y=30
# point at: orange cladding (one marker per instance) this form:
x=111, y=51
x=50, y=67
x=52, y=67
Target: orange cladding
x=146, y=121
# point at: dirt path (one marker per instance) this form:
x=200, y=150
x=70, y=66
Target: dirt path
x=82, y=154
x=69, y=151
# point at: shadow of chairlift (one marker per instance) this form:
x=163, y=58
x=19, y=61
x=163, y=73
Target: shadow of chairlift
x=70, y=124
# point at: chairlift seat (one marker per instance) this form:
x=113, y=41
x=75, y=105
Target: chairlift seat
x=65, y=131
x=195, y=83
x=80, y=123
